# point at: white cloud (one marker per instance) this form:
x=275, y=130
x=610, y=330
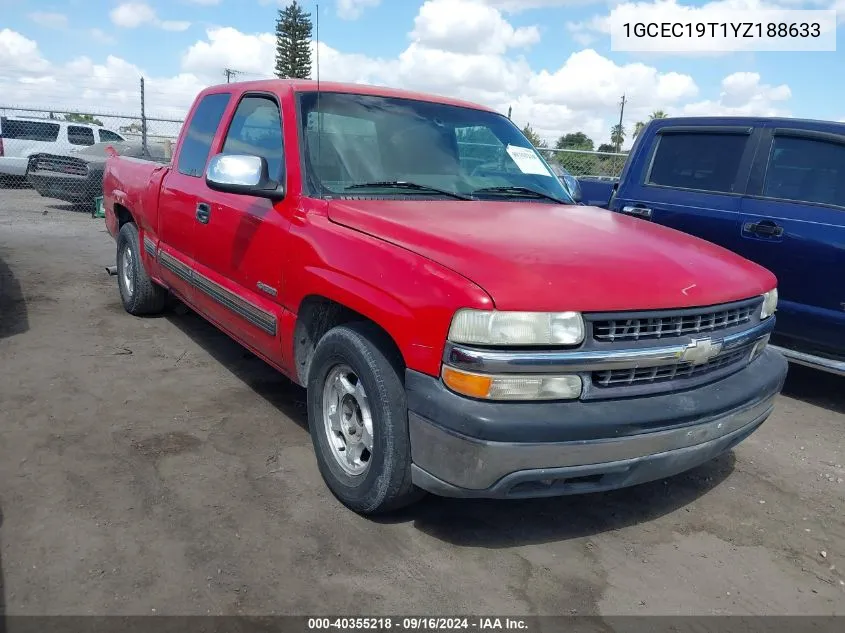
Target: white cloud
x=469, y=26
x=131, y=15
x=28, y=79
x=447, y=54
x=352, y=9
x=588, y=79
x=49, y=20
x=743, y=94
x=514, y=6
x=229, y=48
x=174, y=25
x=19, y=54
x=101, y=36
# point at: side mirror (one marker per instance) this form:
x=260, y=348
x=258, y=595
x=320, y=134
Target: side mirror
x=242, y=174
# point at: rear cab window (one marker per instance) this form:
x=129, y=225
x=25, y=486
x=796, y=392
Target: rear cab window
x=45, y=132
x=698, y=161
x=805, y=169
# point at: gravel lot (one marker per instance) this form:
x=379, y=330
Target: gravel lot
x=153, y=465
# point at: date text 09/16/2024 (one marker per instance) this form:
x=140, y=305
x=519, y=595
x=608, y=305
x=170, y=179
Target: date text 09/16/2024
x=417, y=623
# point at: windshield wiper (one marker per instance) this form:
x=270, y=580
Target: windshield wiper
x=518, y=191
x=401, y=184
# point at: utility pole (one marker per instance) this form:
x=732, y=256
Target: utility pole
x=621, y=114
x=143, y=121
x=230, y=73
x=510, y=111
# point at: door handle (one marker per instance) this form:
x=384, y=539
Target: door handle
x=763, y=228
x=640, y=212
x=203, y=212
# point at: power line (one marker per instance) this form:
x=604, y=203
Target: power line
x=231, y=73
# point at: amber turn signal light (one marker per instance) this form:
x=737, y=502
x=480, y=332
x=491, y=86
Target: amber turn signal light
x=472, y=385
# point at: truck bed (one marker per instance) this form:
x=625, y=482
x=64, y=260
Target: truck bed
x=132, y=183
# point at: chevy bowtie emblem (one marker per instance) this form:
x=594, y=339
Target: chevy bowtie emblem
x=701, y=350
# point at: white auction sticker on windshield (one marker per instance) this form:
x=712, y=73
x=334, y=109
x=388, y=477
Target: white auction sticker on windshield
x=528, y=161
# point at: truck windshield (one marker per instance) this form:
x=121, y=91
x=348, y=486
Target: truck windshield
x=357, y=145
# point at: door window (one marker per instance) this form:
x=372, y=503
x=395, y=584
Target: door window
x=256, y=130
x=806, y=170
x=80, y=135
x=697, y=160
x=199, y=135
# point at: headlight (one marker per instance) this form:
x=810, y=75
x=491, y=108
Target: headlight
x=770, y=304
x=512, y=386
x=478, y=327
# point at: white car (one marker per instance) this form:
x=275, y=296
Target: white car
x=22, y=137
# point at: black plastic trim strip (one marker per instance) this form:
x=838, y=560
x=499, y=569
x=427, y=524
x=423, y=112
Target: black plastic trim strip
x=253, y=314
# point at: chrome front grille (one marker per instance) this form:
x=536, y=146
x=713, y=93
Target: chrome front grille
x=673, y=324
x=648, y=375
x=59, y=164
x=635, y=354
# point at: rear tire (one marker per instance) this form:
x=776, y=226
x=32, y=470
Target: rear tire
x=358, y=419
x=139, y=293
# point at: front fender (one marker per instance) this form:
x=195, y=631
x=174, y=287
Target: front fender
x=412, y=298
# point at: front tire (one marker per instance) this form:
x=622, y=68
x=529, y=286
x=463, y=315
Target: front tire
x=358, y=420
x=138, y=292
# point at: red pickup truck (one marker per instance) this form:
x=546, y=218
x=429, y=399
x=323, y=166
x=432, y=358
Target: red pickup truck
x=460, y=325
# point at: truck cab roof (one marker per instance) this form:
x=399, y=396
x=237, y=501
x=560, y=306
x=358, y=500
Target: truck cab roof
x=278, y=86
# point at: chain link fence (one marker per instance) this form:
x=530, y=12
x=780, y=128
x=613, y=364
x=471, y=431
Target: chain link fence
x=587, y=164
x=61, y=153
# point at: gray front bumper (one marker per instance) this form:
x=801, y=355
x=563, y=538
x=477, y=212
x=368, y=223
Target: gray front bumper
x=471, y=468
x=448, y=462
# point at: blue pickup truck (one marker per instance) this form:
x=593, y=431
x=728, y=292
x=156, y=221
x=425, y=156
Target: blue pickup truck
x=770, y=189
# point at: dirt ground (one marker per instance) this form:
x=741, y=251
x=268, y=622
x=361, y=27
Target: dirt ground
x=154, y=466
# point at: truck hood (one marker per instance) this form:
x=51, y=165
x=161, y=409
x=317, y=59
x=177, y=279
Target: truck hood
x=533, y=256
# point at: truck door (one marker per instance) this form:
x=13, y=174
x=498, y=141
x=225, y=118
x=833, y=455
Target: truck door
x=183, y=200
x=793, y=223
x=691, y=178
x=239, y=248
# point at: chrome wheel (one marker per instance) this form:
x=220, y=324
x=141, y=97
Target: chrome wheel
x=126, y=272
x=347, y=420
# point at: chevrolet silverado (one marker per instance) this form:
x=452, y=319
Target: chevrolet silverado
x=460, y=325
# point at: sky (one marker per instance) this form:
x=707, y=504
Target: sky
x=549, y=61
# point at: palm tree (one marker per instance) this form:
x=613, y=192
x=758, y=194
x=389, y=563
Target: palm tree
x=639, y=126
x=617, y=135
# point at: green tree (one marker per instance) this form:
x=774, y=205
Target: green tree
x=575, y=140
x=639, y=126
x=617, y=136
x=532, y=136
x=293, y=43
x=606, y=148
x=575, y=162
x=82, y=118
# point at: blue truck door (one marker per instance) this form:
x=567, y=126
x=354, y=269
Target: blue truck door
x=793, y=223
x=690, y=178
